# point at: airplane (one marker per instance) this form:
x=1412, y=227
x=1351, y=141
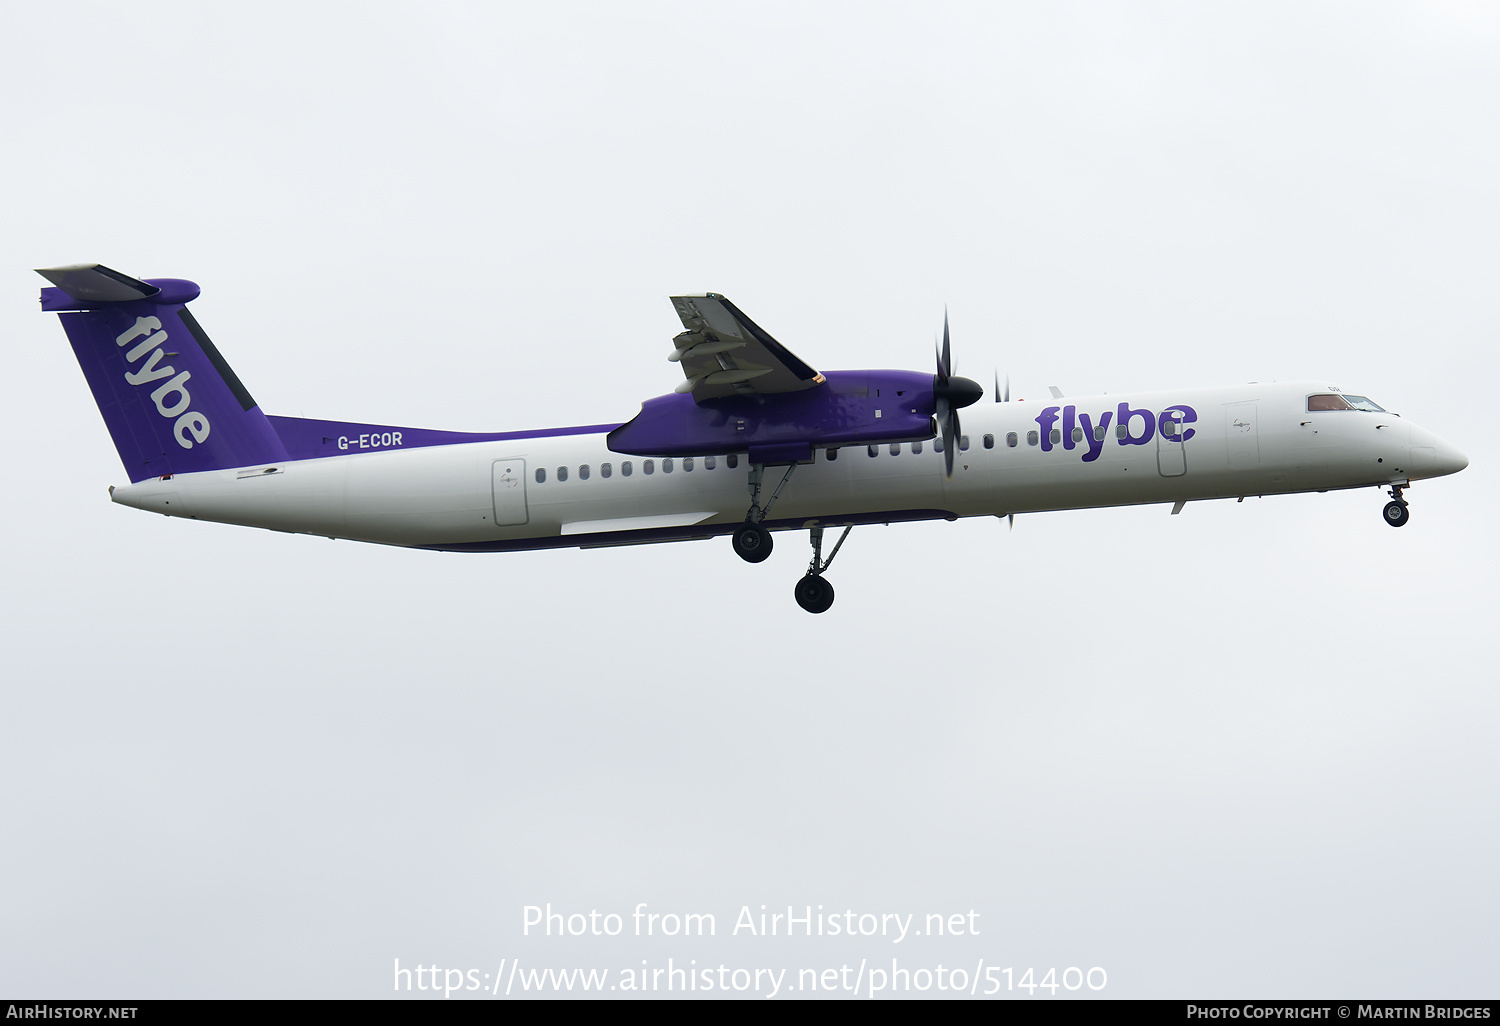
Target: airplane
x=751, y=441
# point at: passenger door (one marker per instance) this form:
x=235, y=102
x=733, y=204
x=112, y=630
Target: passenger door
x=1242, y=436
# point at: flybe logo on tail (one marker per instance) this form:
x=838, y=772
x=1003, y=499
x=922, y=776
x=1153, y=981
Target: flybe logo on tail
x=171, y=396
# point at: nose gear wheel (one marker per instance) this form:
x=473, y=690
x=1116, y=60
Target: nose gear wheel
x=1396, y=513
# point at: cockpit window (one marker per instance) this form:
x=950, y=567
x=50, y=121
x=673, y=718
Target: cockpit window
x=1359, y=402
x=1326, y=402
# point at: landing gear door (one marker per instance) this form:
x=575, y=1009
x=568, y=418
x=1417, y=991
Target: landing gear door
x=1171, y=452
x=509, y=479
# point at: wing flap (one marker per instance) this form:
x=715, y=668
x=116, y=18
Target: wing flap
x=723, y=353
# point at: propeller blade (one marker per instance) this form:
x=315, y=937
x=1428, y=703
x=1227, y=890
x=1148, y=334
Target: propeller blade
x=1012, y=521
x=950, y=394
x=948, y=442
x=1007, y=388
x=947, y=352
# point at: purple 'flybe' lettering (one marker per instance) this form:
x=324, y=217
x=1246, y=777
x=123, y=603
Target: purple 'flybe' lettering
x=1126, y=415
x=175, y=386
x=189, y=428
x=149, y=371
x=1094, y=436
x=152, y=341
x=1045, y=420
x=1189, y=416
x=1094, y=433
x=1068, y=424
x=142, y=326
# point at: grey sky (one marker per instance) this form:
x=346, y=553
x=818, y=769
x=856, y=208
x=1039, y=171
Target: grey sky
x=1244, y=751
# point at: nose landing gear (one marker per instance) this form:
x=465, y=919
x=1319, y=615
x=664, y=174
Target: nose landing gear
x=1396, y=514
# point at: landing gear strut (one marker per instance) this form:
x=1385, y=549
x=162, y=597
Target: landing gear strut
x=1395, y=512
x=752, y=542
x=813, y=592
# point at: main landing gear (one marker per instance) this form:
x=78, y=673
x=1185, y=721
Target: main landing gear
x=752, y=543
x=1396, y=514
x=813, y=592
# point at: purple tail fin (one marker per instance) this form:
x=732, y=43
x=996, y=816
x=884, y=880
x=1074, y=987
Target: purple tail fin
x=170, y=401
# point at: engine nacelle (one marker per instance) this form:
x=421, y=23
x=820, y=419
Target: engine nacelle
x=849, y=408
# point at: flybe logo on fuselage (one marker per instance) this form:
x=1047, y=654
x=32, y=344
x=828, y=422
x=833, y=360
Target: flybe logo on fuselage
x=171, y=396
x=1081, y=429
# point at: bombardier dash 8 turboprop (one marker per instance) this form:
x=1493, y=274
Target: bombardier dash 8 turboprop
x=843, y=448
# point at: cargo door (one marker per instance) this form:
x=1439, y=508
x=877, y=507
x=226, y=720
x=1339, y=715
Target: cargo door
x=509, y=478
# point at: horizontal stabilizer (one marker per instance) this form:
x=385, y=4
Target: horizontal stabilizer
x=95, y=283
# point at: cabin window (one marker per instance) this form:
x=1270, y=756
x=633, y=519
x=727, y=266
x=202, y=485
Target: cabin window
x=937, y=445
x=989, y=441
x=895, y=448
x=732, y=460
x=687, y=463
x=605, y=470
x=1056, y=436
x=541, y=475
x=916, y=447
x=1120, y=429
x=1032, y=438
x=666, y=465
x=963, y=443
x=831, y=454
x=709, y=463
x=1169, y=429
x=874, y=450
x=1078, y=434
x=648, y=467
x=1010, y=439
x=562, y=473
x=627, y=468
x=583, y=472
x=1099, y=433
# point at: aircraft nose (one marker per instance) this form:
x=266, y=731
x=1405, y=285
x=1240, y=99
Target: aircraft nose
x=1449, y=459
x=1431, y=456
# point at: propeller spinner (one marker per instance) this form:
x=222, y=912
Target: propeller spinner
x=952, y=393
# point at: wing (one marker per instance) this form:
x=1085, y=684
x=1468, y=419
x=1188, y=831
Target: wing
x=723, y=352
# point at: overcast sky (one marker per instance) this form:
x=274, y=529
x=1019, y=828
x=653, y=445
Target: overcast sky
x=1248, y=751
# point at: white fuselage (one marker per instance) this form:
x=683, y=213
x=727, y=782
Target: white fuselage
x=1241, y=440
